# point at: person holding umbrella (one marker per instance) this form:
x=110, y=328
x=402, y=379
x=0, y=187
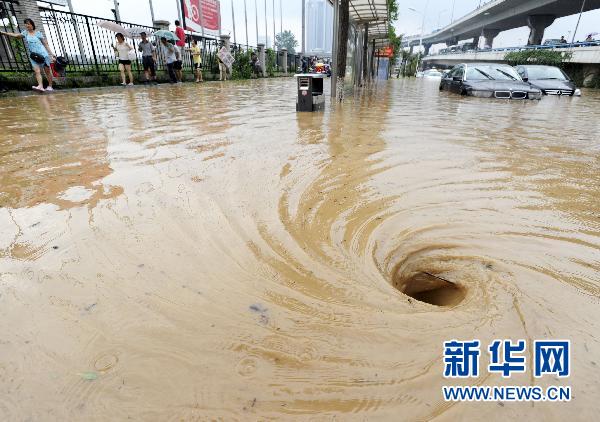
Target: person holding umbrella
x=168, y=51
x=122, y=50
x=40, y=54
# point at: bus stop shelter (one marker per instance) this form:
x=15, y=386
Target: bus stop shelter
x=370, y=18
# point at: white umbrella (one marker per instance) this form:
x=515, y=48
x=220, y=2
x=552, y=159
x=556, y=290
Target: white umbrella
x=114, y=27
x=136, y=32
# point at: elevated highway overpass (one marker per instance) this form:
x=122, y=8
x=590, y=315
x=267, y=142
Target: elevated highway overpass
x=502, y=15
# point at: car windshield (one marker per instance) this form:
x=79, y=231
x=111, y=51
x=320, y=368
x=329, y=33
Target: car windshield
x=538, y=73
x=492, y=72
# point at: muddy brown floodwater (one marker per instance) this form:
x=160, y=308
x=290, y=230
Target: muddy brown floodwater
x=205, y=253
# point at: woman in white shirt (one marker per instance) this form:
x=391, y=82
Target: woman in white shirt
x=122, y=50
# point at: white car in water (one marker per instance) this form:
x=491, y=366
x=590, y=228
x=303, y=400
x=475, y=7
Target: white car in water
x=432, y=74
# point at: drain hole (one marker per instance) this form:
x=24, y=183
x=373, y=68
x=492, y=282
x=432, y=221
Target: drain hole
x=429, y=288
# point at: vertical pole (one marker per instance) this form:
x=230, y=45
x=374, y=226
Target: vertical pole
x=60, y=37
x=303, y=27
x=201, y=13
x=256, y=15
x=182, y=7
x=246, y=21
x=219, y=3
x=454, y=4
x=274, y=35
x=117, y=13
x=266, y=27
x=578, y=21
x=87, y=23
x=233, y=20
x=365, y=58
x=77, y=34
x=280, y=18
x=336, y=41
x=179, y=10
x=151, y=12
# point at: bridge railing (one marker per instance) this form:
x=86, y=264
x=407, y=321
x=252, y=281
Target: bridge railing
x=565, y=46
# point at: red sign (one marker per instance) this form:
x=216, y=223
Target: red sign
x=210, y=18
x=385, y=52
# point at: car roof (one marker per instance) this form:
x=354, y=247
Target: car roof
x=536, y=65
x=483, y=64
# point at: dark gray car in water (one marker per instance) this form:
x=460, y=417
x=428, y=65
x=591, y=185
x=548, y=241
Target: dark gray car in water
x=549, y=79
x=488, y=80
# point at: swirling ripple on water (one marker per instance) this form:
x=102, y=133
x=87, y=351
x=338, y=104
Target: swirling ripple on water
x=193, y=253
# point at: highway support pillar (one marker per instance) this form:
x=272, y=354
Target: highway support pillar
x=538, y=24
x=488, y=37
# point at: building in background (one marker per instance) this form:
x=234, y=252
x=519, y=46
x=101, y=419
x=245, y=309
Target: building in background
x=319, y=28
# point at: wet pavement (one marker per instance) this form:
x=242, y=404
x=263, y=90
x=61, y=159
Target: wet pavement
x=204, y=252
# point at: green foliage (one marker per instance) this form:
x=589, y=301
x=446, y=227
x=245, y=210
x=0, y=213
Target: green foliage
x=411, y=63
x=242, y=67
x=286, y=39
x=18, y=47
x=395, y=40
x=271, y=62
x=393, y=9
x=543, y=57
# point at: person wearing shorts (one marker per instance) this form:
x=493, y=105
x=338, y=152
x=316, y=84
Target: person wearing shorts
x=36, y=44
x=178, y=65
x=122, y=50
x=197, y=60
x=148, y=58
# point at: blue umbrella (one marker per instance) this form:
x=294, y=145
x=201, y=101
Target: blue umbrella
x=163, y=33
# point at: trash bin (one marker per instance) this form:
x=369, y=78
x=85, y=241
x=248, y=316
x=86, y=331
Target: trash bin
x=310, y=92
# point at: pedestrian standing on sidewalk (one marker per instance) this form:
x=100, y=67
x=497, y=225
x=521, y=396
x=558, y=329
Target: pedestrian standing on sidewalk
x=40, y=54
x=197, y=59
x=148, y=58
x=178, y=65
x=168, y=52
x=122, y=50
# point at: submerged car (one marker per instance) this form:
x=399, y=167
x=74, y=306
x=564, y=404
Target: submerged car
x=432, y=74
x=488, y=80
x=549, y=79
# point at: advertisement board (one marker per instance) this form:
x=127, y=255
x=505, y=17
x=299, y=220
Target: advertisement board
x=202, y=13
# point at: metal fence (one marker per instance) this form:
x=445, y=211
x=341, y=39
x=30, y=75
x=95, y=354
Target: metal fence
x=13, y=56
x=88, y=47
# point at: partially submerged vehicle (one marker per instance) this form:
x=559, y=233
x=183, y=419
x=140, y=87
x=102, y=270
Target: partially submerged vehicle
x=432, y=74
x=549, y=79
x=488, y=80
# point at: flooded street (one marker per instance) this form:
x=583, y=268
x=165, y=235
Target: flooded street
x=206, y=253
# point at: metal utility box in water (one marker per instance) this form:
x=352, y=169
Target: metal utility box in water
x=310, y=92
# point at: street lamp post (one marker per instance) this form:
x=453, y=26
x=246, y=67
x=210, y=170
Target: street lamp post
x=117, y=13
x=246, y=22
x=233, y=20
x=424, y=13
x=578, y=21
x=256, y=14
x=152, y=12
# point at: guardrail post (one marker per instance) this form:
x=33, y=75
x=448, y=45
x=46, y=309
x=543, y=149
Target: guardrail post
x=87, y=23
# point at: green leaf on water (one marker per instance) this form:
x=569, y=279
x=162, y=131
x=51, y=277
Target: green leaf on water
x=89, y=376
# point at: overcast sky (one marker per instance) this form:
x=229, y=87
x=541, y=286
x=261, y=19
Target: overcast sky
x=439, y=12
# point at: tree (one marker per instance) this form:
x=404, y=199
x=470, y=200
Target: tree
x=286, y=39
x=344, y=11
